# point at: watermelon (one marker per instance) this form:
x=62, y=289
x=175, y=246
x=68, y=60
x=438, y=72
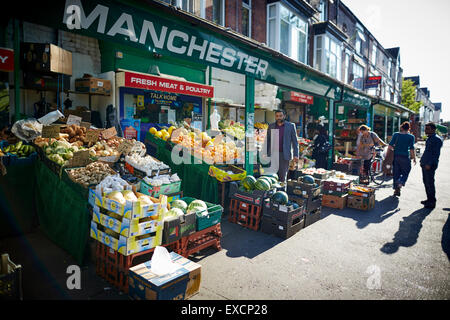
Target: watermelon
x=248, y=183
x=180, y=204
x=262, y=184
x=272, y=175
x=267, y=179
x=280, y=197
x=196, y=206
x=273, y=180
x=308, y=179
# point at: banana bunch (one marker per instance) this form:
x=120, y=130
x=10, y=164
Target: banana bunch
x=19, y=149
x=259, y=125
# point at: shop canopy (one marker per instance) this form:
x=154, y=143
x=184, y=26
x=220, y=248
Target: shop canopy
x=145, y=81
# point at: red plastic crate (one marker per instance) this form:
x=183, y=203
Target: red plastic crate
x=113, y=266
x=209, y=237
x=245, y=214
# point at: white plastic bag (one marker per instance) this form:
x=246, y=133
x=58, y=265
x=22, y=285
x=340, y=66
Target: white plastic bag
x=51, y=117
x=161, y=263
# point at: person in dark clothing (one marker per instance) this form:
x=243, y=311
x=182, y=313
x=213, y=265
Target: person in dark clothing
x=402, y=143
x=429, y=163
x=320, y=148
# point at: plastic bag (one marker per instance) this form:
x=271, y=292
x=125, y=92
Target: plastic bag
x=27, y=130
x=161, y=264
x=51, y=117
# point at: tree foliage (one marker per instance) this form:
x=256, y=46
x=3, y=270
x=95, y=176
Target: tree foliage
x=409, y=94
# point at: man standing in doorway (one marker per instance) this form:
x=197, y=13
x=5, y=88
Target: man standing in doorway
x=287, y=140
x=429, y=163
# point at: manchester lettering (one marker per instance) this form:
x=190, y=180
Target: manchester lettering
x=171, y=39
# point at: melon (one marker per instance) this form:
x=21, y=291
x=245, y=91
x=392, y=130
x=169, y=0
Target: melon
x=308, y=179
x=180, y=204
x=262, y=184
x=280, y=197
x=272, y=175
x=248, y=183
x=196, y=206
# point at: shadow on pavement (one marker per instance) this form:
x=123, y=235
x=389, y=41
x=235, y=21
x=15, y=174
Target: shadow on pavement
x=239, y=241
x=383, y=210
x=445, y=242
x=408, y=231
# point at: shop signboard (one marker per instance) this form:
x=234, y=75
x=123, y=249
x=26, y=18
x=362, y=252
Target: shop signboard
x=372, y=82
x=156, y=31
x=356, y=99
x=6, y=59
x=298, y=97
x=149, y=82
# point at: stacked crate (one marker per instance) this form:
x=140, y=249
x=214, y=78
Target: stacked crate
x=246, y=206
x=123, y=231
x=307, y=195
x=282, y=220
x=335, y=193
x=361, y=198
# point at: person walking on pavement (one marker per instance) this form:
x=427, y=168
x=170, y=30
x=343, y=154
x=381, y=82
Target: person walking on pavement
x=287, y=143
x=320, y=148
x=402, y=144
x=364, y=146
x=429, y=163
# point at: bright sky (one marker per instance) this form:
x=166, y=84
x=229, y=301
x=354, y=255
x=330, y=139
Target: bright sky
x=422, y=31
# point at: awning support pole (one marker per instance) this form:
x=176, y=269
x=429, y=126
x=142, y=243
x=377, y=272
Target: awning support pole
x=249, y=123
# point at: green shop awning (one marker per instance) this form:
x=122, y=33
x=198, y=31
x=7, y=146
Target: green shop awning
x=354, y=98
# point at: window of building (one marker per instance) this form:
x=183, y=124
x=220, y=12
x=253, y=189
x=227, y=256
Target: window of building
x=247, y=17
x=323, y=9
x=328, y=55
x=374, y=54
x=390, y=68
x=359, y=38
x=358, y=76
x=287, y=32
x=196, y=7
x=346, y=68
x=218, y=12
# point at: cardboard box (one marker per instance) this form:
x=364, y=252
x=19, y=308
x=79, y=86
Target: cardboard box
x=360, y=202
x=304, y=190
x=45, y=57
x=336, y=185
x=127, y=227
x=220, y=173
x=337, y=202
x=171, y=231
x=195, y=276
x=188, y=224
x=164, y=189
x=93, y=85
x=145, y=285
x=125, y=245
x=130, y=210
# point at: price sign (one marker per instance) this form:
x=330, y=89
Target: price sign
x=109, y=133
x=51, y=131
x=92, y=135
x=125, y=146
x=86, y=125
x=72, y=119
x=80, y=159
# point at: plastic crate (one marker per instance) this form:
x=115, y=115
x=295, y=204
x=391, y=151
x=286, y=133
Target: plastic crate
x=209, y=237
x=245, y=214
x=12, y=159
x=281, y=229
x=10, y=279
x=214, y=214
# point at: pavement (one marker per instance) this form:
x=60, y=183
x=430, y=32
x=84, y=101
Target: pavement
x=399, y=250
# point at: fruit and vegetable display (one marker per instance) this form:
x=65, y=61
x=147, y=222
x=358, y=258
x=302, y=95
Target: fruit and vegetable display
x=263, y=183
x=263, y=126
x=146, y=164
x=92, y=174
x=280, y=197
x=60, y=151
x=75, y=134
x=103, y=149
x=234, y=129
x=161, y=180
x=19, y=149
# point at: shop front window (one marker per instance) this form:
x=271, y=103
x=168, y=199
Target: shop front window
x=287, y=32
x=218, y=12
x=196, y=7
